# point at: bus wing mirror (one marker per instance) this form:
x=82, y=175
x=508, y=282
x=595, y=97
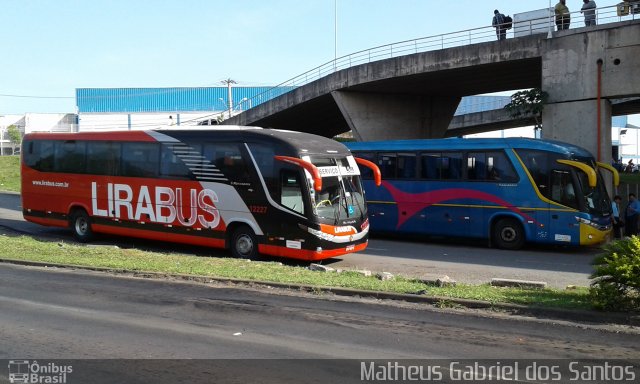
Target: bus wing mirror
x=377, y=176
x=591, y=173
x=312, y=169
x=614, y=172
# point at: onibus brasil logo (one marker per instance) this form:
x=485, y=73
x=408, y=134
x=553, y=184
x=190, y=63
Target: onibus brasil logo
x=23, y=371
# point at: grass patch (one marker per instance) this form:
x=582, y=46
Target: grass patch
x=29, y=249
x=10, y=173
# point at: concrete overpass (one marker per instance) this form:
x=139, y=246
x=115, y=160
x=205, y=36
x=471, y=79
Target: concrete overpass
x=497, y=119
x=415, y=95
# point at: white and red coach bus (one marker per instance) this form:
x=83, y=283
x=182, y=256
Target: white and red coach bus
x=252, y=190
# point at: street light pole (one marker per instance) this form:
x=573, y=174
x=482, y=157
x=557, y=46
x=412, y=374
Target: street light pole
x=335, y=33
x=230, y=100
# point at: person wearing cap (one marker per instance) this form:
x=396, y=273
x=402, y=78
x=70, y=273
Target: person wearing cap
x=498, y=24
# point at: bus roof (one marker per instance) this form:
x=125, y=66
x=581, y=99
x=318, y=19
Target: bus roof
x=469, y=144
x=304, y=142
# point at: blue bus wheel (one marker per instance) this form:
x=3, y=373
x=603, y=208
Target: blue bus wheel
x=508, y=234
x=244, y=244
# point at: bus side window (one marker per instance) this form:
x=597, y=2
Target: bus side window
x=103, y=158
x=263, y=155
x=387, y=164
x=537, y=165
x=500, y=168
x=407, y=166
x=43, y=152
x=430, y=166
x=366, y=172
x=476, y=166
x=70, y=156
x=171, y=165
x=451, y=166
x=291, y=190
x=29, y=152
x=140, y=159
x=228, y=159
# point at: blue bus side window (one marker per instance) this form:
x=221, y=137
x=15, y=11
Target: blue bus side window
x=430, y=166
x=407, y=165
x=451, y=167
x=366, y=172
x=387, y=164
x=476, y=166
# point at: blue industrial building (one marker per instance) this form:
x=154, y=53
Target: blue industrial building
x=177, y=99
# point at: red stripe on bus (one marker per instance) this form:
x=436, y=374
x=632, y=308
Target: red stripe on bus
x=309, y=255
x=160, y=236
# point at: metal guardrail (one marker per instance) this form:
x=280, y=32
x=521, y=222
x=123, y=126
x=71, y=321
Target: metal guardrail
x=449, y=40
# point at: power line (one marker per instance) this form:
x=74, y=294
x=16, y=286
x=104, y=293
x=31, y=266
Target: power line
x=37, y=97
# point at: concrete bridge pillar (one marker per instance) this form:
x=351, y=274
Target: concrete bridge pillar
x=377, y=116
x=579, y=68
x=576, y=122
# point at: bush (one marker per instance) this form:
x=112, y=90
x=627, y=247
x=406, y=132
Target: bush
x=617, y=276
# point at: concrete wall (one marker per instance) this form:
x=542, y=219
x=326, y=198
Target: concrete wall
x=570, y=77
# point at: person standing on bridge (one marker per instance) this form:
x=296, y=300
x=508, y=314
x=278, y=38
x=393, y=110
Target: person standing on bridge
x=499, y=24
x=589, y=11
x=563, y=16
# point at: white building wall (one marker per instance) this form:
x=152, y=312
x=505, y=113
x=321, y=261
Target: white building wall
x=5, y=122
x=50, y=122
x=139, y=121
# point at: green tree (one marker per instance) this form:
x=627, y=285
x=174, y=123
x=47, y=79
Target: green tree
x=14, y=136
x=528, y=103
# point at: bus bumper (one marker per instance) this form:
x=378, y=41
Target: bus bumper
x=310, y=255
x=590, y=235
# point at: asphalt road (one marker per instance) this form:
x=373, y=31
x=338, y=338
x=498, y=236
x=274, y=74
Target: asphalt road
x=468, y=262
x=61, y=314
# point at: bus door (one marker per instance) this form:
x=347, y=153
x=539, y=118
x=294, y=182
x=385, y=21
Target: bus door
x=563, y=226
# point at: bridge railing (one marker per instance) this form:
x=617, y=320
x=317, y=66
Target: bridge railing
x=432, y=43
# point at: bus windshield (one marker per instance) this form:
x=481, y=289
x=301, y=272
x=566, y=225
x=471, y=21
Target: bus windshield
x=341, y=197
x=596, y=199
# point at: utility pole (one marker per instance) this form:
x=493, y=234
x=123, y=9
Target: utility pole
x=335, y=34
x=229, y=82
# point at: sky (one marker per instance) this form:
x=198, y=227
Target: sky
x=50, y=48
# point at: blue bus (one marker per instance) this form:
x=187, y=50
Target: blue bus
x=510, y=191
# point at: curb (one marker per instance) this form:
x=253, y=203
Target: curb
x=9, y=193
x=581, y=316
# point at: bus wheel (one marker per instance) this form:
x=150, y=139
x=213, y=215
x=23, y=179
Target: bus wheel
x=508, y=234
x=244, y=244
x=81, y=226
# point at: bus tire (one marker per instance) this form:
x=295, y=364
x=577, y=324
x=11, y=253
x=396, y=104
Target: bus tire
x=244, y=244
x=508, y=234
x=80, y=224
